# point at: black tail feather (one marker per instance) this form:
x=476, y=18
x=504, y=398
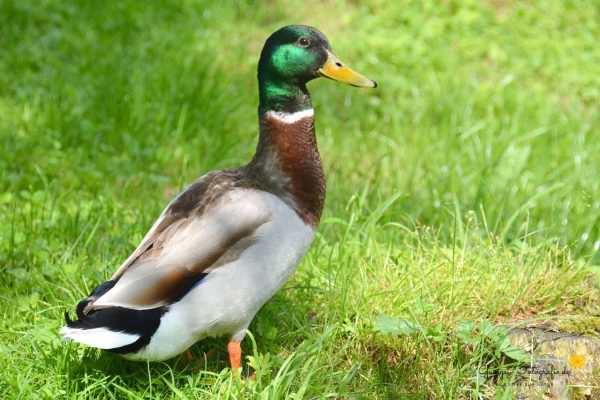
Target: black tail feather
x=117, y=319
x=96, y=293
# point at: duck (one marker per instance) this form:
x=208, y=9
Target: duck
x=232, y=238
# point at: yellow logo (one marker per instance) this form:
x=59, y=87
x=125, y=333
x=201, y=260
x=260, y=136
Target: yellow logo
x=577, y=361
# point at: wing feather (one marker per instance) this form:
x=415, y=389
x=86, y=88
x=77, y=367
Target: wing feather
x=188, y=242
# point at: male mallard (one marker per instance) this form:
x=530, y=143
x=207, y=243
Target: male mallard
x=232, y=238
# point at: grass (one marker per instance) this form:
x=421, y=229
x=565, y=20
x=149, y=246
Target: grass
x=465, y=188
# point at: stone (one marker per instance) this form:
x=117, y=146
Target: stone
x=564, y=366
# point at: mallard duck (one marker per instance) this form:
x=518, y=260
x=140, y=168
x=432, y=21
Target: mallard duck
x=232, y=238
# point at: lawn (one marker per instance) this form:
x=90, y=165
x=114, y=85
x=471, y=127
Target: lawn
x=464, y=191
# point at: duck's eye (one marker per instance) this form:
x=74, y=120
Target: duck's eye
x=303, y=42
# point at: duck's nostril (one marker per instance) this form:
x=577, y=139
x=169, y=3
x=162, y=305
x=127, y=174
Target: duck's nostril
x=339, y=64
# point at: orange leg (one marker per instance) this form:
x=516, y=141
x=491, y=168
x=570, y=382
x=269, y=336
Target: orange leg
x=188, y=358
x=235, y=354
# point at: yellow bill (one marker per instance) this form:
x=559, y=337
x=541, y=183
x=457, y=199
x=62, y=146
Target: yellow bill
x=338, y=71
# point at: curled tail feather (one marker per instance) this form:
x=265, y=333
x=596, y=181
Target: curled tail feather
x=116, y=329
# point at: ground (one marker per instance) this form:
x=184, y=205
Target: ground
x=463, y=192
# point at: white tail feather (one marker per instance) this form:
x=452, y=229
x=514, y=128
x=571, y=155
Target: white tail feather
x=101, y=338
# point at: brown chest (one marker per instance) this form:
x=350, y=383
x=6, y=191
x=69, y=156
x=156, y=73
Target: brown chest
x=289, y=163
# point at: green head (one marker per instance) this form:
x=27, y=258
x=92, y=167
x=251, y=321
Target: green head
x=291, y=57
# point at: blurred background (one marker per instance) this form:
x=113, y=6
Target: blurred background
x=484, y=106
x=482, y=139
